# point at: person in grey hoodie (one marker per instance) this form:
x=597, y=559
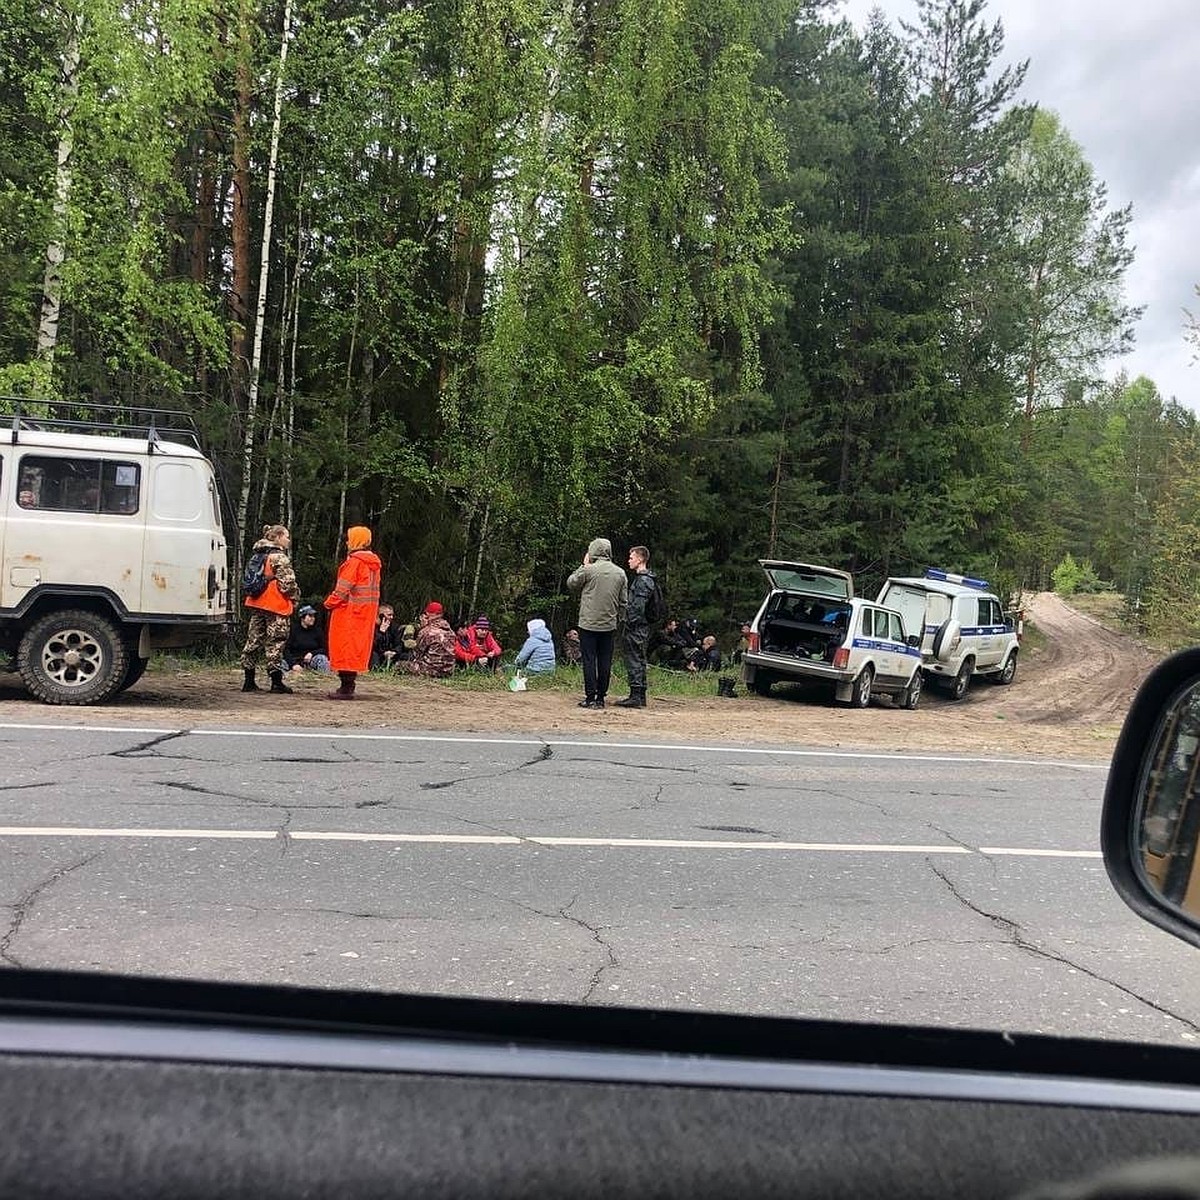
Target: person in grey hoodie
x=603, y=595
x=537, y=655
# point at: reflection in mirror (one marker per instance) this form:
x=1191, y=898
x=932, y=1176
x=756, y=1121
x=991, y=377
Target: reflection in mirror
x=1169, y=814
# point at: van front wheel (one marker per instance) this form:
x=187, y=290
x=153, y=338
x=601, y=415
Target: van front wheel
x=73, y=657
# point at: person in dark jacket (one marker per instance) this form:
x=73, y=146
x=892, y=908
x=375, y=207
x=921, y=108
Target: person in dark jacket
x=668, y=646
x=305, y=649
x=707, y=657
x=386, y=644
x=637, y=626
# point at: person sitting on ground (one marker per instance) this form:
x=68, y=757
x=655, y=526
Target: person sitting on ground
x=407, y=639
x=668, y=646
x=305, y=649
x=387, y=639
x=707, y=657
x=743, y=643
x=537, y=655
x=571, y=651
x=434, y=653
x=463, y=639
x=481, y=650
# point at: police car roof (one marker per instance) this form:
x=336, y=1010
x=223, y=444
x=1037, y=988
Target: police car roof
x=940, y=586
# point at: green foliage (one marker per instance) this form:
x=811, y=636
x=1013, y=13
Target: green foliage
x=1070, y=577
x=717, y=276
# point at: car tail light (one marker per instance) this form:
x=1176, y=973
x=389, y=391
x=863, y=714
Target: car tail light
x=841, y=660
x=753, y=640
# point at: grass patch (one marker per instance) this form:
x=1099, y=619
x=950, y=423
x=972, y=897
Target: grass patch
x=660, y=681
x=1106, y=607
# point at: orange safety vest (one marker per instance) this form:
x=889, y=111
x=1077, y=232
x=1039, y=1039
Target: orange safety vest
x=271, y=599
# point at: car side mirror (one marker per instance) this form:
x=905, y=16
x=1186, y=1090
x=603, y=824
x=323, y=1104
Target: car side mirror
x=1150, y=829
x=913, y=640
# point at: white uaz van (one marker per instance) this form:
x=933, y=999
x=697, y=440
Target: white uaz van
x=110, y=545
x=965, y=632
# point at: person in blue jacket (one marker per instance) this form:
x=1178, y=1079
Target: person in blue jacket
x=537, y=655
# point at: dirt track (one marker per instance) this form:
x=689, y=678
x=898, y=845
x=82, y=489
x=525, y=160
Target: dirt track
x=1067, y=702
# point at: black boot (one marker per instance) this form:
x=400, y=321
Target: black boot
x=587, y=702
x=249, y=685
x=635, y=699
x=277, y=684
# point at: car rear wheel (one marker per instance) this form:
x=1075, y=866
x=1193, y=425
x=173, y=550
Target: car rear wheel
x=962, y=681
x=860, y=697
x=73, y=657
x=1009, y=671
x=911, y=696
x=760, y=683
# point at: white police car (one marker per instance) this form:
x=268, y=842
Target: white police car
x=964, y=632
x=811, y=628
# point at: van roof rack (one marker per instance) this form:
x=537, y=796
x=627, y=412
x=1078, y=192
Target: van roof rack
x=155, y=425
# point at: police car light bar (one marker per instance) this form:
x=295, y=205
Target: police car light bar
x=963, y=580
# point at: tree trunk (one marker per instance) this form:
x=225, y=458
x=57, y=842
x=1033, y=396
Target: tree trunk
x=239, y=295
x=56, y=249
x=264, y=273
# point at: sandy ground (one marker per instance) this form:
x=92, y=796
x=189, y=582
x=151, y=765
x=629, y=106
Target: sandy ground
x=1068, y=701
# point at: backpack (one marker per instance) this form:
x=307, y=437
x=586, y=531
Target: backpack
x=256, y=577
x=656, y=605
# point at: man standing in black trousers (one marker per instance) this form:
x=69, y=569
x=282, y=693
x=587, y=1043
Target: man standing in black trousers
x=637, y=626
x=604, y=593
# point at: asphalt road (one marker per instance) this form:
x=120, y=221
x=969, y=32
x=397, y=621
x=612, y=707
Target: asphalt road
x=922, y=889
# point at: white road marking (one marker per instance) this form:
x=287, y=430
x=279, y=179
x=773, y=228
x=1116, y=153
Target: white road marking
x=564, y=743
x=1032, y=853
x=471, y=839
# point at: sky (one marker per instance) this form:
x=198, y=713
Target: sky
x=1125, y=79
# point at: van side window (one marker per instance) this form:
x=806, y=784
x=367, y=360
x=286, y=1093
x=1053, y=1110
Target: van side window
x=79, y=485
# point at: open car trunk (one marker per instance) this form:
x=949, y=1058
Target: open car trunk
x=804, y=627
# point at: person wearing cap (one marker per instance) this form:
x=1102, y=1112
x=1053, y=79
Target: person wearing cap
x=433, y=655
x=305, y=649
x=537, y=655
x=480, y=649
x=353, y=605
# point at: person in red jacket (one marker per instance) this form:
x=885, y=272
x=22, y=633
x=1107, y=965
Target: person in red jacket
x=480, y=648
x=353, y=606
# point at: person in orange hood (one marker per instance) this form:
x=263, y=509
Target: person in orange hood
x=353, y=605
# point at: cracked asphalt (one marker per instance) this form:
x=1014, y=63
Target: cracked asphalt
x=607, y=873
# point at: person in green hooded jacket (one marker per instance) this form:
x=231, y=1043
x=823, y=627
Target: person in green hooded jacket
x=603, y=594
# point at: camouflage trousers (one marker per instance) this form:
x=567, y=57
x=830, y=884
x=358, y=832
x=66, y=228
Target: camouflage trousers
x=267, y=635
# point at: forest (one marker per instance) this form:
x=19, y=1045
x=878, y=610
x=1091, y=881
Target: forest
x=728, y=278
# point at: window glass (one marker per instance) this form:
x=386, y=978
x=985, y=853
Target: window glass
x=178, y=492
x=78, y=485
x=895, y=628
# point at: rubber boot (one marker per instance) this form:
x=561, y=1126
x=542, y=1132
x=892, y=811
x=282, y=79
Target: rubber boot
x=249, y=685
x=635, y=699
x=277, y=684
x=346, y=691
